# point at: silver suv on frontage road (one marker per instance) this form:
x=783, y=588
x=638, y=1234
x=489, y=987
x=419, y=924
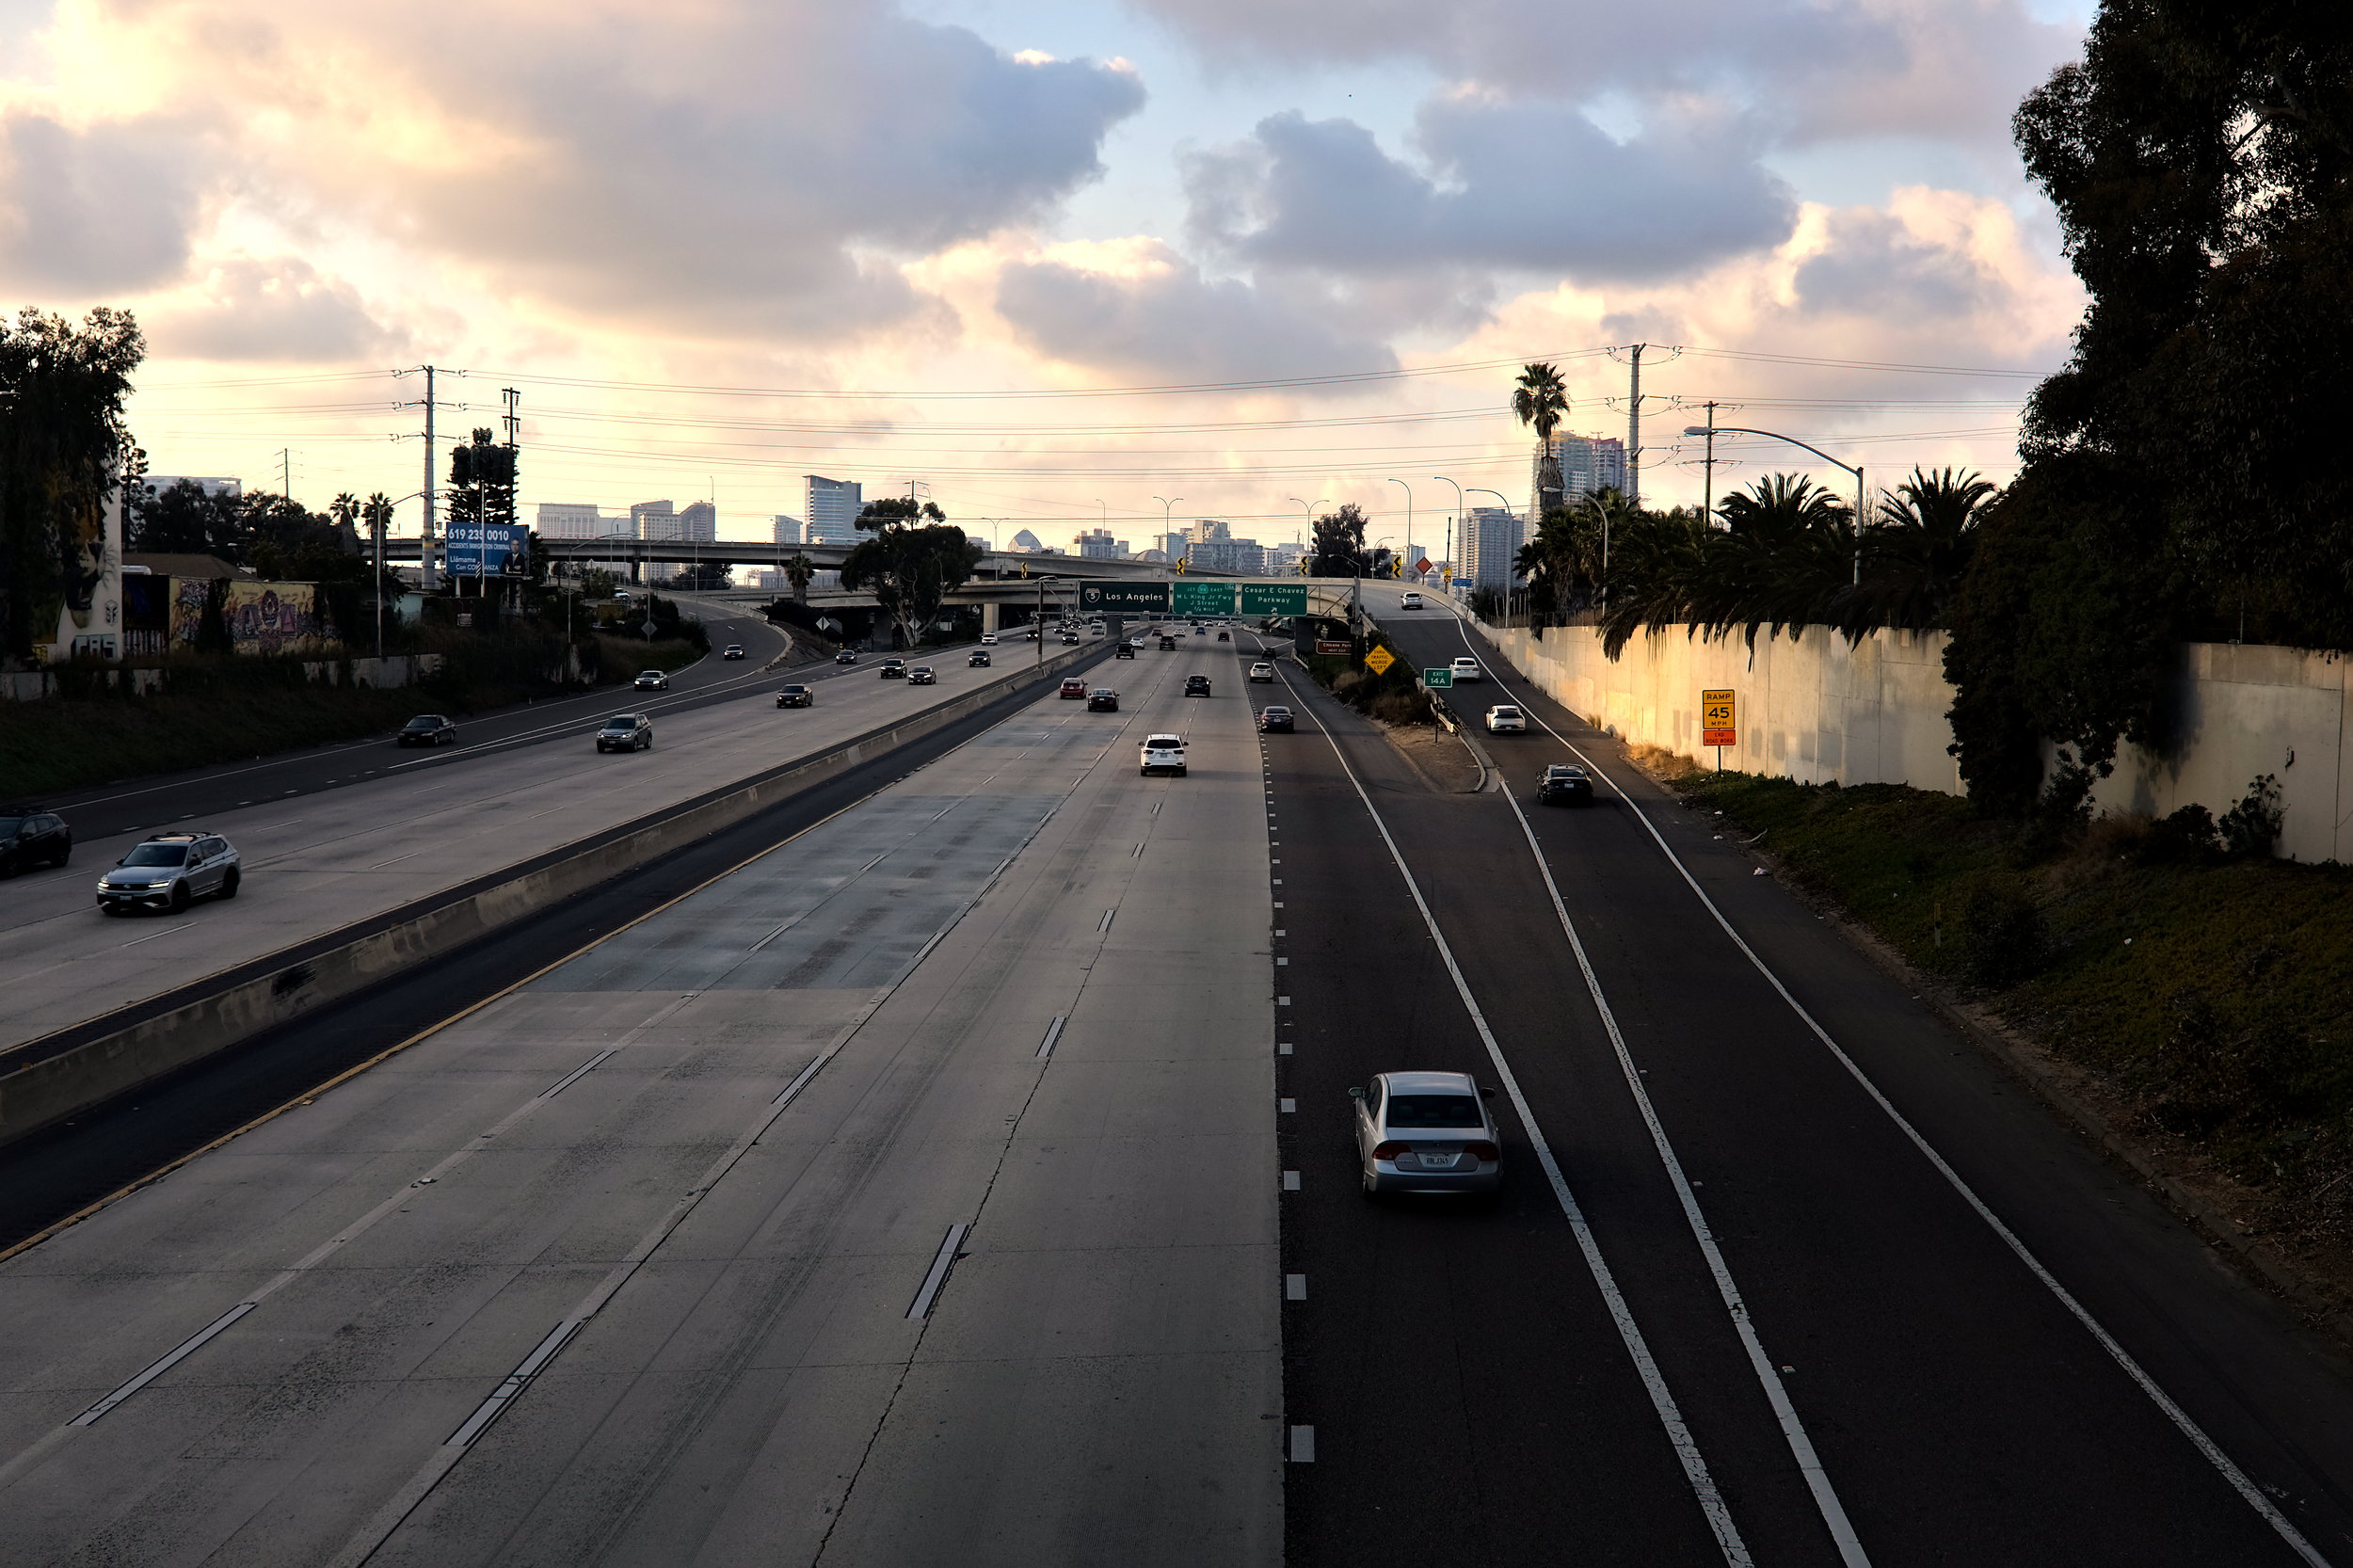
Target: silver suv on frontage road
x=171, y=870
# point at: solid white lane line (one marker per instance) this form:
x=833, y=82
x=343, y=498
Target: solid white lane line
x=1793, y=1431
x=1053, y=1033
x=2239, y=1480
x=1105, y=924
x=937, y=1275
x=1669, y=1414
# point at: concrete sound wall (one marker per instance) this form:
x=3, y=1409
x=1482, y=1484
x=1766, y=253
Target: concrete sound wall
x=1814, y=710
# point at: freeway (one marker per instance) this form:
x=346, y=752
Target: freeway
x=902, y=1194
x=317, y=861
x=108, y=811
x=1796, y=1297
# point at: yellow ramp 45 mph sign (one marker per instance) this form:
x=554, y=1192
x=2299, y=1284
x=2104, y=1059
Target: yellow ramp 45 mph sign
x=1719, y=719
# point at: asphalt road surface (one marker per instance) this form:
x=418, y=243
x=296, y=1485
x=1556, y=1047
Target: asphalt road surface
x=1787, y=1334
x=904, y=1196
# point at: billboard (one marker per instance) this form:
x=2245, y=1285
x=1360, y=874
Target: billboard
x=260, y=617
x=89, y=600
x=486, y=550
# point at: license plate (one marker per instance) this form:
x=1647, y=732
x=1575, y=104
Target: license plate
x=1437, y=1162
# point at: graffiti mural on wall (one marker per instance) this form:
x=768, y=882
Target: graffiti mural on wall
x=260, y=618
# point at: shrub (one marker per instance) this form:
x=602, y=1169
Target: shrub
x=2002, y=936
x=2251, y=829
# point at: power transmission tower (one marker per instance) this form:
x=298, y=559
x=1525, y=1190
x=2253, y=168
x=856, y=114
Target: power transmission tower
x=428, y=566
x=1634, y=353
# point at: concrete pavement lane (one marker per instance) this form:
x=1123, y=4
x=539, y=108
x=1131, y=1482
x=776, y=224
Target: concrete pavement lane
x=148, y=804
x=1098, y=1368
x=311, y=865
x=1961, y=1419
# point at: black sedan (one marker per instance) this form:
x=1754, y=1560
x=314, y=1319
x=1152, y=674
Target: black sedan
x=846, y=657
x=1196, y=685
x=1564, y=785
x=30, y=838
x=427, y=729
x=978, y=659
x=893, y=669
x=1274, y=719
x=795, y=696
x=922, y=676
x=1103, y=700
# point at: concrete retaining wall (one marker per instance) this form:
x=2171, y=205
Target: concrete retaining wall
x=41, y=1084
x=393, y=669
x=1813, y=709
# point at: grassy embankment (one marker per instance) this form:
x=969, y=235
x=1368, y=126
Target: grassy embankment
x=2210, y=996
x=223, y=712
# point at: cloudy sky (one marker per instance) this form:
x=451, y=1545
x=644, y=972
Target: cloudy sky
x=1060, y=261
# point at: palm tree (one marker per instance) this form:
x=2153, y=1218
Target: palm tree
x=1786, y=561
x=797, y=571
x=1916, y=551
x=1540, y=399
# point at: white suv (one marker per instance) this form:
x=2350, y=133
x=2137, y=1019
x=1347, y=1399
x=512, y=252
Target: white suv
x=1467, y=668
x=1504, y=719
x=1162, y=754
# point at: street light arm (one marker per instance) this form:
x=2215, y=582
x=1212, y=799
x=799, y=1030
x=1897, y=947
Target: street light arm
x=1773, y=435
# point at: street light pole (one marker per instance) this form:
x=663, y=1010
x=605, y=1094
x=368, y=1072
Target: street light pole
x=1409, y=512
x=1506, y=581
x=1855, y=468
x=1450, y=526
x=1166, y=526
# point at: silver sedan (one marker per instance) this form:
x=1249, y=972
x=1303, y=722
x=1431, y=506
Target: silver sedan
x=1426, y=1132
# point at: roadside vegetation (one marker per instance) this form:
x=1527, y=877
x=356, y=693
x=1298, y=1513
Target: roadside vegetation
x=1393, y=697
x=2206, y=986
x=222, y=709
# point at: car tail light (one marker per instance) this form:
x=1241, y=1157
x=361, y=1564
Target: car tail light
x=1483, y=1151
x=1389, y=1150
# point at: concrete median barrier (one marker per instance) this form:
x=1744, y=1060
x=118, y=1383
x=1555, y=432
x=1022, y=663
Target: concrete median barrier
x=44, y=1081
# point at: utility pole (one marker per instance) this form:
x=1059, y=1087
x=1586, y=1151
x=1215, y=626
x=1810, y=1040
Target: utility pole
x=425, y=539
x=285, y=472
x=1634, y=433
x=1708, y=484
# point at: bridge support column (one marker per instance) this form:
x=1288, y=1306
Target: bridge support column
x=988, y=615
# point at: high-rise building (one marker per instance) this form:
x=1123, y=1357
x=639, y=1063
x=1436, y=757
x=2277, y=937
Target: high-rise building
x=833, y=507
x=698, y=523
x=789, y=529
x=1206, y=529
x=1096, y=544
x=1491, y=538
x=567, y=520
x=1242, y=557
x=656, y=521
x=1282, y=559
x=1171, y=545
x=1591, y=464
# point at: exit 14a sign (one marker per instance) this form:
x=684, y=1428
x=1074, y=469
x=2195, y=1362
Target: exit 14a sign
x=1437, y=677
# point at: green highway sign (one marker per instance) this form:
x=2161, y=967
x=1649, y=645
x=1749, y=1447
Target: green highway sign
x=1437, y=677
x=1274, y=599
x=1151, y=597
x=1192, y=596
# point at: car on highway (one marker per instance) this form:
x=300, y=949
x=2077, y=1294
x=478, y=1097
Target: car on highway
x=922, y=676
x=795, y=696
x=977, y=659
x=1125, y=650
x=427, y=729
x=1274, y=719
x=1168, y=643
x=1562, y=784
x=1103, y=700
x=1262, y=671
x=1162, y=754
x=1074, y=688
x=30, y=838
x=1196, y=685
x=1224, y=637
x=1410, y=602
x=1468, y=668
x=622, y=596
x=626, y=732
x=651, y=681
x=1426, y=1132
x=1505, y=719
x=988, y=639
x=893, y=669
x=1071, y=637
x=846, y=657
x=1094, y=628
x=733, y=651
x=171, y=870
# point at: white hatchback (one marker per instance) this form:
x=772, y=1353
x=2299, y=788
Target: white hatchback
x=988, y=639
x=1467, y=668
x=1504, y=719
x=1262, y=671
x=1162, y=754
